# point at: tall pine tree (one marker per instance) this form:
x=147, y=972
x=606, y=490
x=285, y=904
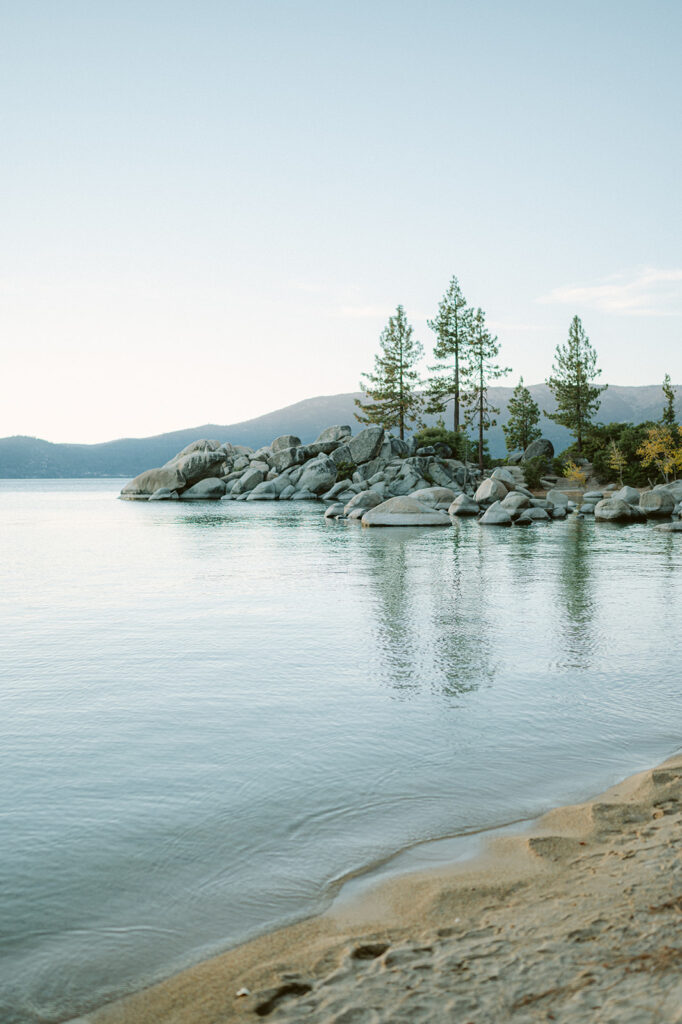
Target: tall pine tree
x=483, y=353
x=452, y=326
x=392, y=388
x=573, y=371
x=668, y=417
x=524, y=415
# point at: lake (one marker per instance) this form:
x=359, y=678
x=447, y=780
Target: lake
x=211, y=714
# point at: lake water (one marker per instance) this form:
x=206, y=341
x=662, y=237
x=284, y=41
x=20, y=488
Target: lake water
x=211, y=713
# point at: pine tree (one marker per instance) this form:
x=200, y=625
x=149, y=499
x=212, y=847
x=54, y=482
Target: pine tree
x=483, y=352
x=392, y=388
x=452, y=326
x=524, y=415
x=574, y=369
x=668, y=417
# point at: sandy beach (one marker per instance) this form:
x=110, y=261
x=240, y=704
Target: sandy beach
x=578, y=919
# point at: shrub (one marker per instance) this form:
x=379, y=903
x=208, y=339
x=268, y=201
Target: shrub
x=460, y=444
x=598, y=449
x=534, y=470
x=345, y=470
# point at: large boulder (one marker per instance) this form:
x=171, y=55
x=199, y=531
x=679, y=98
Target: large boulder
x=330, y=439
x=144, y=485
x=334, y=511
x=534, y=515
x=263, y=455
x=491, y=490
x=342, y=456
x=670, y=527
x=436, y=497
x=629, y=494
x=437, y=473
x=247, y=481
x=542, y=447
x=364, y=500
x=657, y=504
x=210, y=489
x=199, y=465
x=613, y=510
x=674, y=487
x=265, y=491
x=557, y=497
x=366, y=445
x=199, y=460
x=406, y=481
x=463, y=505
x=496, y=516
x=404, y=511
x=285, y=441
x=333, y=492
x=399, y=449
x=514, y=502
x=285, y=458
x=505, y=476
x=317, y=476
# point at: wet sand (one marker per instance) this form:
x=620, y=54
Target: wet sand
x=578, y=919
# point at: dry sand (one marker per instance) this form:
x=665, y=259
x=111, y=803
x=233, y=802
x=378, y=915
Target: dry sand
x=579, y=919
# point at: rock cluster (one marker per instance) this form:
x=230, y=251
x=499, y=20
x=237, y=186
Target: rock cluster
x=336, y=467
x=380, y=480
x=629, y=506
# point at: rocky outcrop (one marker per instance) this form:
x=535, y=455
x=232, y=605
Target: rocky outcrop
x=380, y=480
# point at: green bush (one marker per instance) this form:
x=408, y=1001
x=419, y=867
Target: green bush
x=345, y=470
x=628, y=437
x=534, y=470
x=426, y=436
x=460, y=444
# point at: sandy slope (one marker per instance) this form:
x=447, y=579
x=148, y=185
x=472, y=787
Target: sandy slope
x=578, y=920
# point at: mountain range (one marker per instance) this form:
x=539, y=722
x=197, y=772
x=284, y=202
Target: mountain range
x=30, y=457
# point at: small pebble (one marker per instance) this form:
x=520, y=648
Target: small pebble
x=243, y=992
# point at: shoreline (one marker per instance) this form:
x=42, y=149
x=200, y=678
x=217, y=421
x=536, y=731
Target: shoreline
x=576, y=917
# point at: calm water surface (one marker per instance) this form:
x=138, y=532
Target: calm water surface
x=211, y=713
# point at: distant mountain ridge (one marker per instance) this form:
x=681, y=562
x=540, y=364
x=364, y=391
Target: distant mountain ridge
x=30, y=457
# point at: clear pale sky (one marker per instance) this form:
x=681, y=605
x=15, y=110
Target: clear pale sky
x=210, y=209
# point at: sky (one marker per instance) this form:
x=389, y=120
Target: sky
x=210, y=209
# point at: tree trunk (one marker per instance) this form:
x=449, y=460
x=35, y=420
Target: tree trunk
x=480, y=433
x=456, y=390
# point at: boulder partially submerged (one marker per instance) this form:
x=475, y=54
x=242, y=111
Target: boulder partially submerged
x=403, y=511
